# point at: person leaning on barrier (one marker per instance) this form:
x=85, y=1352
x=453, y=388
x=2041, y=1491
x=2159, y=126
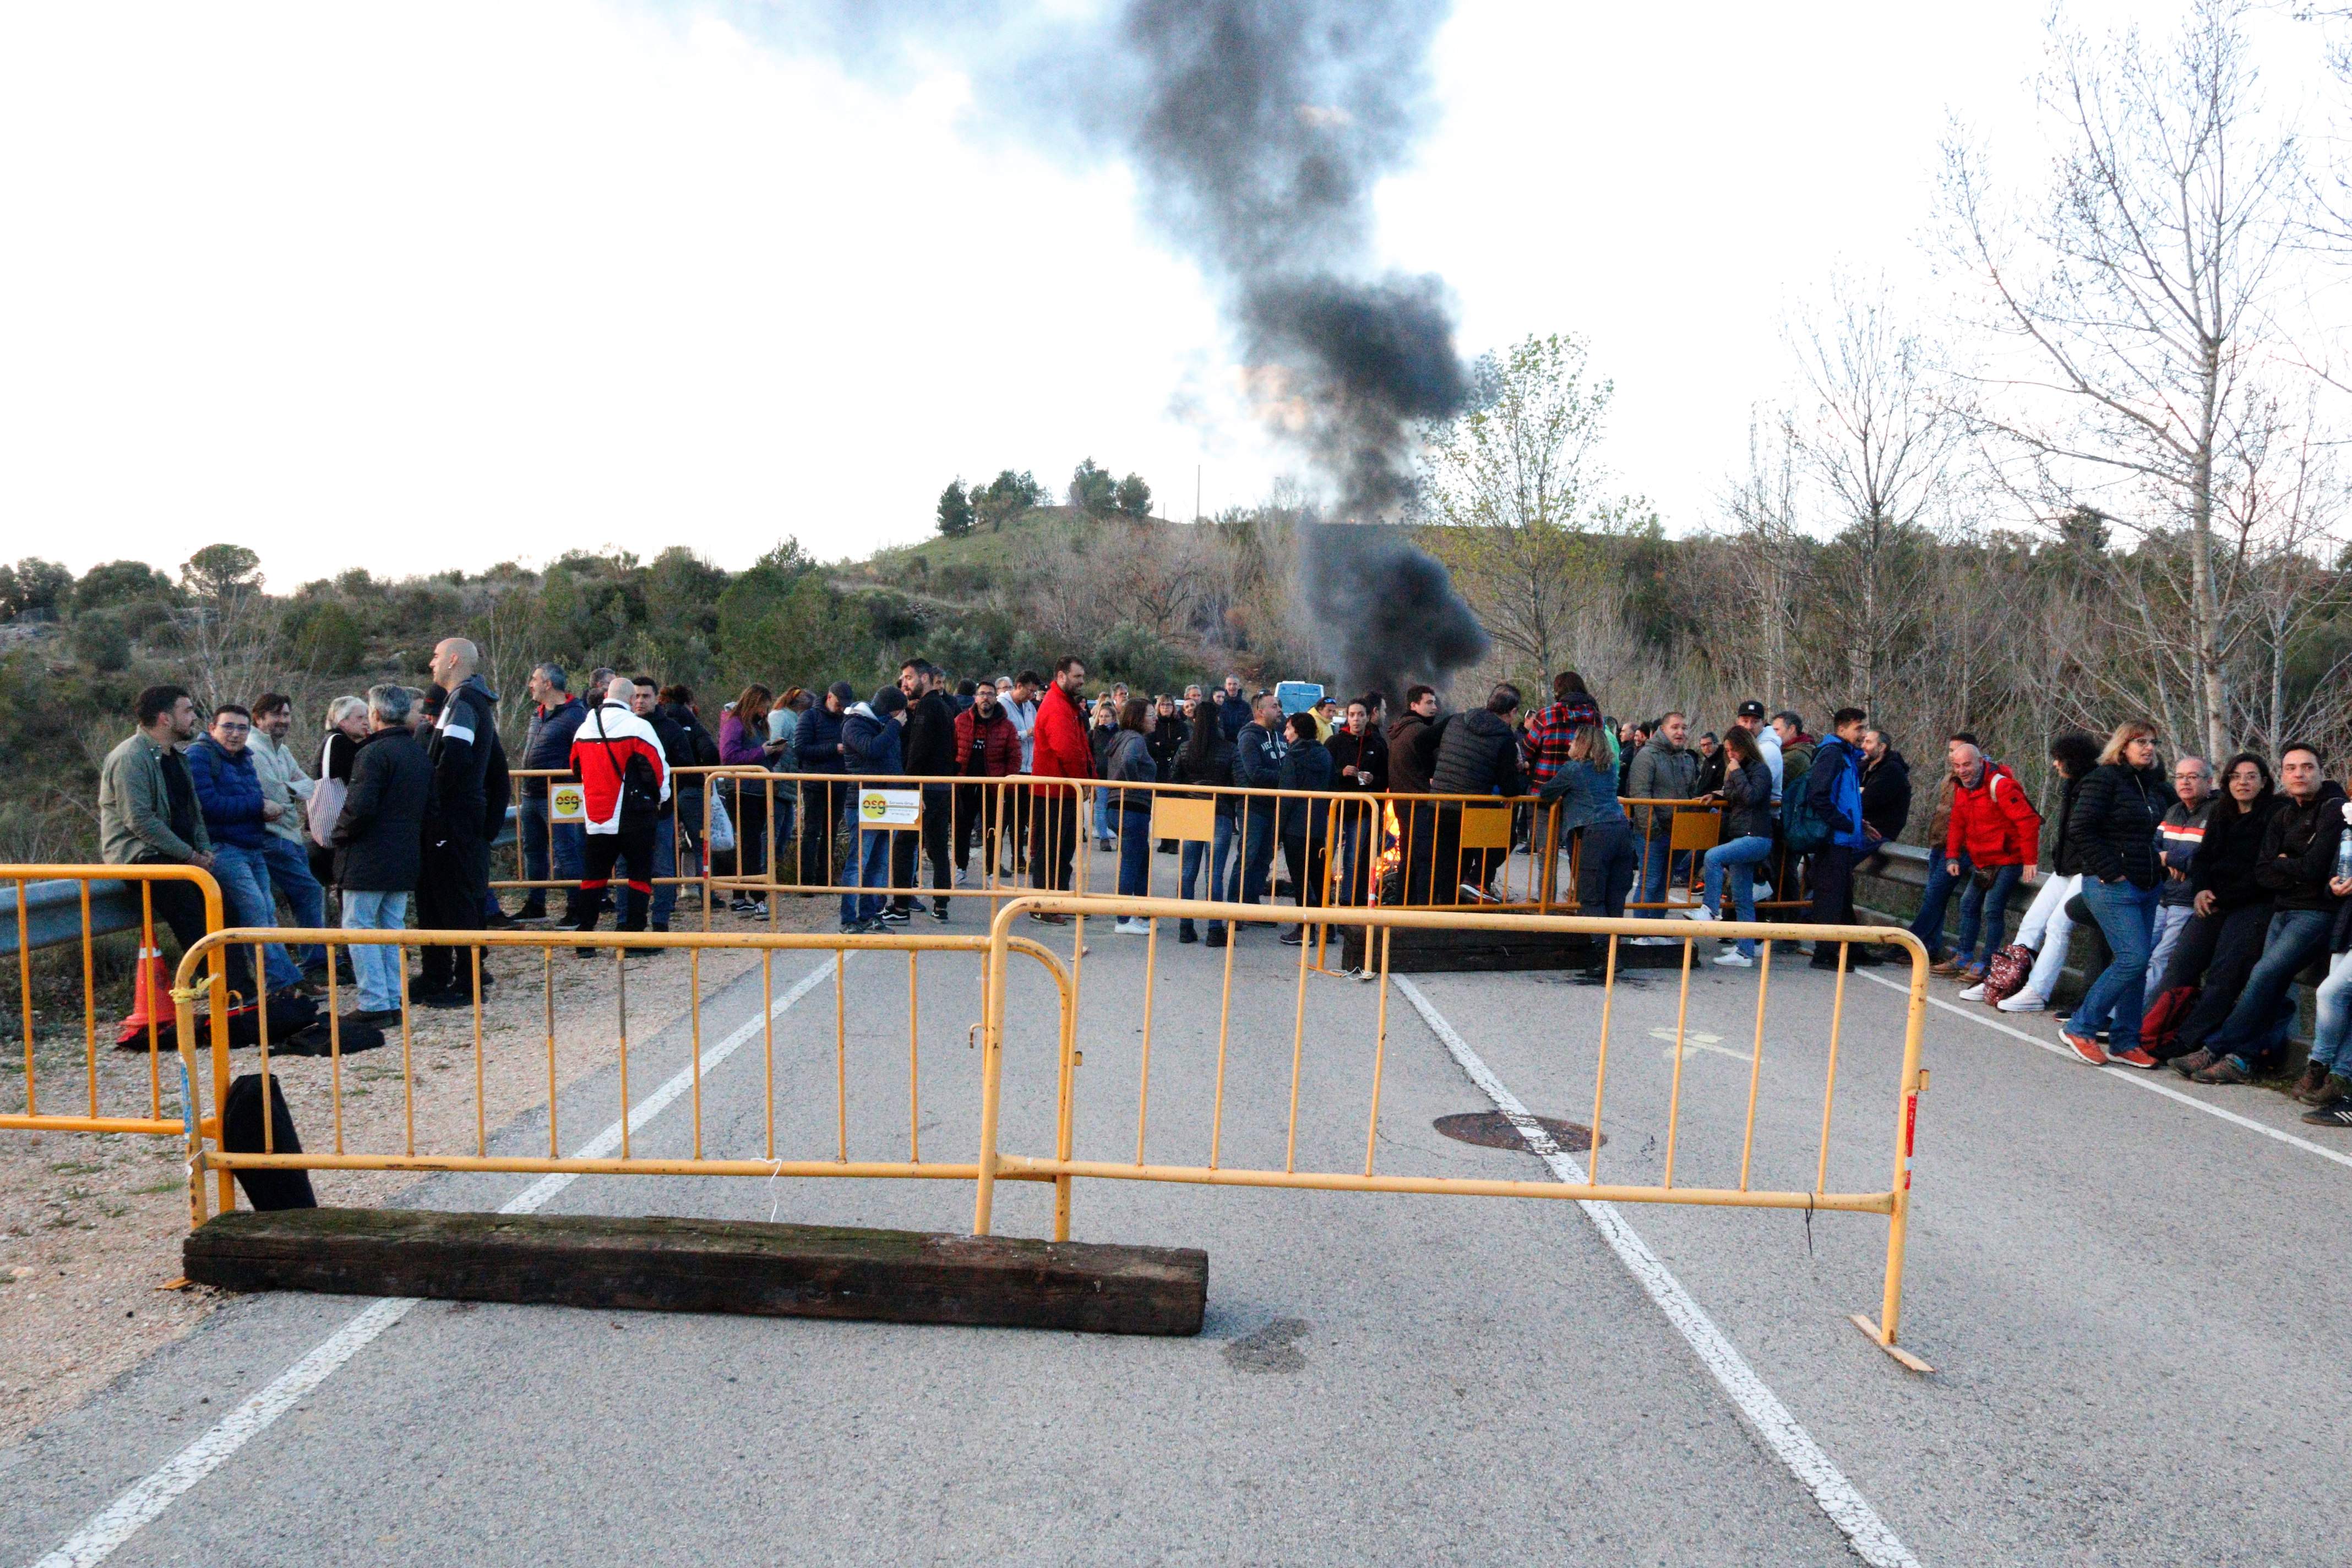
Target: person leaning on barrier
x=237, y=817
x=1834, y=790
x=1360, y=761
x=1413, y=751
x=555, y=715
x=148, y=815
x=2297, y=865
x=1584, y=791
x=1477, y=755
x=468, y=808
x=2114, y=824
x=1748, y=823
x=285, y=847
x=624, y=777
x=1662, y=769
x=380, y=850
x=678, y=752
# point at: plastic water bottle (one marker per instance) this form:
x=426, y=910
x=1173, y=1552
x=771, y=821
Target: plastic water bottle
x=2344, y=849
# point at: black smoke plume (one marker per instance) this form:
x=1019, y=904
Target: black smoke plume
x=1259, y=130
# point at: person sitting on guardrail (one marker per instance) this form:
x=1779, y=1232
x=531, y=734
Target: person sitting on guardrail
x=237, y=815
x=2231, y=912
x=624, y=777
x=870, y=747
x=1886, y=786
x=148, y=815
x=2048, y=931
x=1748, y=821
x=380, y=850
x=284, y=848
x=1995, y=830
x=2115, y=822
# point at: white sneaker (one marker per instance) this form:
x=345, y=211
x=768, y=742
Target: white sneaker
x=1732, y=958
x=1131, y=927
x=1655, y=941
x=1974, y=993
x=1700, y=914
x=963, y=879
x=1680, y=895
x=2024, y=1002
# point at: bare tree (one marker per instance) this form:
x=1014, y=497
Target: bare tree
x=1770, y=550
x=2135, y=300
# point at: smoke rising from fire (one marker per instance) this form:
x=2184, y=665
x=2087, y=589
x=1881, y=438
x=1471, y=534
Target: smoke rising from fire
x=1259, y=130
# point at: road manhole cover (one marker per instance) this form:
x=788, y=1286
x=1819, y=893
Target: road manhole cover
x=1493, y=1130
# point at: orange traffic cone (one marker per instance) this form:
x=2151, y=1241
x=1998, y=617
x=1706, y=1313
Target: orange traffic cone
x=151, y=1002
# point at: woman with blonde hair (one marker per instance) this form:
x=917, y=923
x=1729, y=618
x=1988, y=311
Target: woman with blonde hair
x=2114, y=826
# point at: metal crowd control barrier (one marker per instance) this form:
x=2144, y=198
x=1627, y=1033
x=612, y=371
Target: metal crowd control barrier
x=1346, y=847
x=339, y=1156
x=1892, y=1201
x=94, y=1115
x=693, y=798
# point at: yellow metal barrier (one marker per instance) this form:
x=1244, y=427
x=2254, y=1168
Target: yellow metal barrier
x=1892, y=1201
x=96, y=1117
x=224, y=1163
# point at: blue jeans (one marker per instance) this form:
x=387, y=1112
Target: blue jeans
x=2171, y=921
x=2331, y=1036
x=1928, y=924
x=1658, y=860
x=290, y=874
x=530, y=829
x=666, y=865
x=1739, y=859
x=1104, y=826
x=1257, y=854
x=1218, y=854
x=376, y=967
x=872, y=872
x=243, y=878
x=1134, y=825
x=2295, y=937
x=1984, y=913
x=2127, y=915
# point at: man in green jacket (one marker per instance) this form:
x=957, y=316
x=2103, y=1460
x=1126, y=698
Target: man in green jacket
x=148, y=814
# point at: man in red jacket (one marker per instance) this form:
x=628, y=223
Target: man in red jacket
x=1061, y=751
x=1997, y=831
x=612, y=744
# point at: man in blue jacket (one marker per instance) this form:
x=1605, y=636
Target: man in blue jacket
x=236, y=817
x=869, y=743
x=1833, y=791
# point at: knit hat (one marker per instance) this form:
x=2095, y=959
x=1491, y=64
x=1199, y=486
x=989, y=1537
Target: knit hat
x=887, y=701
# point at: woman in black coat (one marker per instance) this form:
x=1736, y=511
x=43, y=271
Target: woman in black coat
x=1306, y=825
x=2224, y=937
x=2113, y=829
x=1207, y=759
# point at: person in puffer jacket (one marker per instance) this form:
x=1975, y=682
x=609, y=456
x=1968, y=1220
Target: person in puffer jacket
x=1995, y=830
x=237, y=815
x=612, y=744
x=870, y=747
x=1477, y=753
x=2114, y=824
x=1832, y=788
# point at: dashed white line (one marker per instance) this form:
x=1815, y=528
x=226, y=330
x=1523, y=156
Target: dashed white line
x=1845, y=1506
x=2131, y=1075
x=105, y=1533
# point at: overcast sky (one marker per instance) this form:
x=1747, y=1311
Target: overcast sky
x=420, y=286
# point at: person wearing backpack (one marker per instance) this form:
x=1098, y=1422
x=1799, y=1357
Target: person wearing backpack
x=1832, y=791
x=619, y=759
x=1997, y=832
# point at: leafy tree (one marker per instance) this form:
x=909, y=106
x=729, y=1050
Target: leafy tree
x=326, y=639
x=1092, y=490
x=121, y=583
x=955, y=510
x=33, y=587
x=100, y=641
x=1008, y=495
x=1133, y=497
x=219, y=571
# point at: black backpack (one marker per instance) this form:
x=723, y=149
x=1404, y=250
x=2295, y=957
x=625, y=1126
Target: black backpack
x=241, y=1134
x=640, y=790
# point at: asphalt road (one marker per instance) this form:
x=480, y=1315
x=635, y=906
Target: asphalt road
x=2130, y=1303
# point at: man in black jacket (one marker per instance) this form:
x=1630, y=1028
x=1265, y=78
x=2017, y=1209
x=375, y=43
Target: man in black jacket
x=2294, y=864
x=1258, y=751
x=469, y=806
x=379, y=847
x=678, y=752
x=1477, y=753
x=555, y=717
x=931, y=752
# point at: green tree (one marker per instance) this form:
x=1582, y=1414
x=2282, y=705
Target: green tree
x=121, y=583
x=1133, y=497
x=1006, y=496
x=34, y=587
x=218, y=571
x=955, y=510
x=1092, y=490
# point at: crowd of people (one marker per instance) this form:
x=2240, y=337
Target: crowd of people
x=2209, y=893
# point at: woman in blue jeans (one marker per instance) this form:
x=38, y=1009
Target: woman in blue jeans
x=2114, y=828
x=1746, y=796
x=1128, y=760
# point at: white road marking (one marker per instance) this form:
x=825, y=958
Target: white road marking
x=105, y=1533
x=2135, y=1076
x=1847, y=1508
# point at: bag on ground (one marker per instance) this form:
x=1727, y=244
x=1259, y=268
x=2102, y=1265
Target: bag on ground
x=241, y=1134
x=2005, y=970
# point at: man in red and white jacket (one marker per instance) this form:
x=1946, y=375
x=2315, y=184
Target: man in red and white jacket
x=610, y=742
